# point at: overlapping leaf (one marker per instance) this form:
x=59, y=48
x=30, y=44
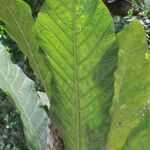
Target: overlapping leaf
x=78, y=38
x=132, y=86
x=139, y=136
x=17, y=17
x=21, y=89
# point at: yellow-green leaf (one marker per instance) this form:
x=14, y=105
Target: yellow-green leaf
x=17, y=17
x=78, y=39
x=132, y=84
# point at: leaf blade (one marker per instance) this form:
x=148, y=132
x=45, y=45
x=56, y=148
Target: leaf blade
x=19, y=24
x=131, y=85
x=79, y=43
x=21, y=89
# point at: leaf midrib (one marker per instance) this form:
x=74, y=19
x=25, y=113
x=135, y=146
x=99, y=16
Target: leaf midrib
x=123, y=75
x=75, y=74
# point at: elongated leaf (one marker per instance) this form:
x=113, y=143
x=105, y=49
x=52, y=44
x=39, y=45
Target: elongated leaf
x=19, y=23
x=78, y=38
x=21, y=89
x=132, y=85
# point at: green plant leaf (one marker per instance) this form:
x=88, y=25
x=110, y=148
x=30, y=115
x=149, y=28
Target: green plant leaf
x=138, y=3
x=139, y=137
x=78, y=38
x=21, y=89
x=132, y=84
x=17, y=17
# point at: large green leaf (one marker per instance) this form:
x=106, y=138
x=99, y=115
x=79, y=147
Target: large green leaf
x=78, y=38
x=21, y=89
x=17, y=17
x=132, y=84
